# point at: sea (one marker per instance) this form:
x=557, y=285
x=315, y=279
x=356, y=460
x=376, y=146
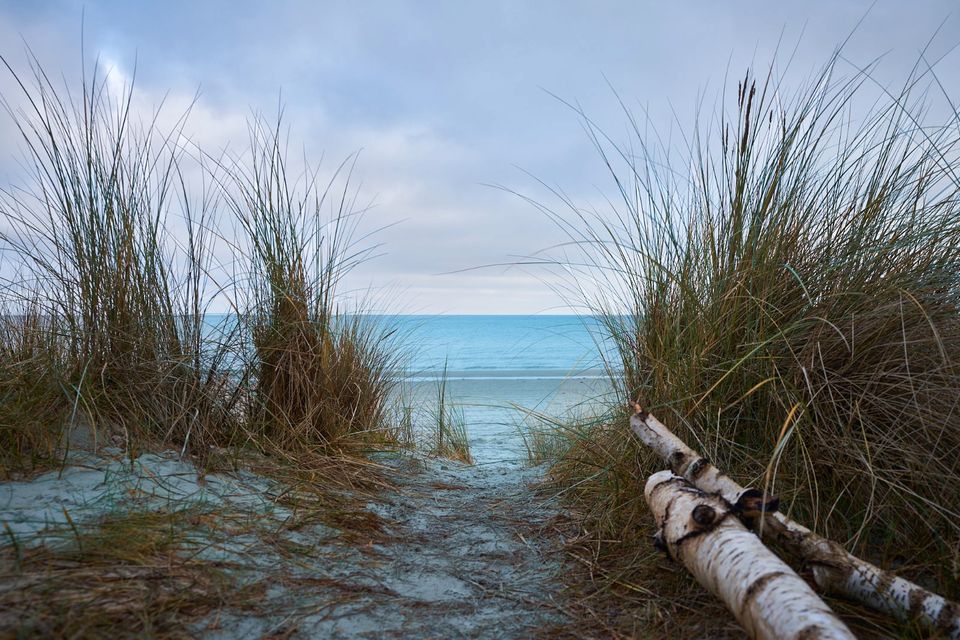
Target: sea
x=501, y=371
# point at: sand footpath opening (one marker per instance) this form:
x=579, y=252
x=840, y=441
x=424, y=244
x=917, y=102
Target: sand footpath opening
x=448, y=551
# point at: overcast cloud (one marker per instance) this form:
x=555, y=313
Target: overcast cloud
x=446, y=97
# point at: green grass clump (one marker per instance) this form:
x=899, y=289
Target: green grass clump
x=32, y=395
x=100, y=275
x=787, y=300
x=429, y=419
x=548, y=438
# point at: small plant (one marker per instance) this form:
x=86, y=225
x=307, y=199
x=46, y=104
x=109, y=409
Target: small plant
x=449, y=426
x=548, y=438
x=404, y=417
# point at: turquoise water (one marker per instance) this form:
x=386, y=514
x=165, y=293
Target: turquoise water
x=495, y=364
x=492, y=345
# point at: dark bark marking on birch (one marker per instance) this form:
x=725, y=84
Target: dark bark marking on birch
x=837, y=570
x=666, y=511
x=659, y=544
x=884, y=580
x=696, y=533
x=697, y=468
x=704, y=515
x=659, y=539
x=676, y=459
x=752, y=503
x=687, y=488
x=916, y=599
x=660, y=484
x=813, y=632
x=754, y=589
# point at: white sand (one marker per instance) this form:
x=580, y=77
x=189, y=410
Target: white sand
x=91, y=486
x=470, y=559
x=466, y=552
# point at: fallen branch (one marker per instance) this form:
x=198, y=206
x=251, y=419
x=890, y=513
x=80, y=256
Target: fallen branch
x=767, y=597
x=834, y=569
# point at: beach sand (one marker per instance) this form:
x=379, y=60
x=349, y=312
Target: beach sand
x=450, y=551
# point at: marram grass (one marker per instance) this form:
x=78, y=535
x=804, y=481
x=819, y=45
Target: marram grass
x=786, y=300
x=115, y=255
x=318, y=377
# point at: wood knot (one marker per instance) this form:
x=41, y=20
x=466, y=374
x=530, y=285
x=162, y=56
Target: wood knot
x=752, y=503
x=677, y=458
x=704, y=515
x=697, y=468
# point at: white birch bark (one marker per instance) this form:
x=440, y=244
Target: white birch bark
x=764, y=594
x=834, y=569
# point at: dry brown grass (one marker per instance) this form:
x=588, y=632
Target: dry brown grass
x=129, y=576
x=316, y=376
x=161, y=572
x=109, y=329
x=330, y=490
x=102, y=282
x=33, y=399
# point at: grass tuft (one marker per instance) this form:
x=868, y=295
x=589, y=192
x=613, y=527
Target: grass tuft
x=33, y=398
x=448, y=425
x=107, y=304
x=316, y=376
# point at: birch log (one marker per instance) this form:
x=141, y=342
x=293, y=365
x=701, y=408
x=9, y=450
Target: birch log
x=769, y=600
x=834, y=569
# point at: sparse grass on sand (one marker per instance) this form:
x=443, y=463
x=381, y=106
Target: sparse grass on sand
x=128, y=575
x=787, y=300
x=161, y=549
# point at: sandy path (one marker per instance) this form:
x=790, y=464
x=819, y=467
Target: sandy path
x=452, y=551
x=470, y=552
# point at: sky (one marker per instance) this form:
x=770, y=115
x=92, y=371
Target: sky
x=455, y=106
